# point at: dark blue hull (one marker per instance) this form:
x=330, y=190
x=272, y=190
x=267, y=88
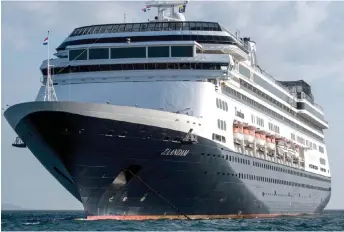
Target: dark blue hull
x=120, y=168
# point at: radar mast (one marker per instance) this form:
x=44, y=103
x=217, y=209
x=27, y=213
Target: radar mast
x=166, y=11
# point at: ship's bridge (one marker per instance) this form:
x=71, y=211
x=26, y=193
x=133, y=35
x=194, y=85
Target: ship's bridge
x=146, y=27
x=201, y=32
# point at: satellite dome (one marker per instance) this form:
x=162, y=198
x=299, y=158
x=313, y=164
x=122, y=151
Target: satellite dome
x=178, y=16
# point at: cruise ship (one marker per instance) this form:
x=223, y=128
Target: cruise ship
x=174, y=119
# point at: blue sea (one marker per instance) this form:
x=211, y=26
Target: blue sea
x=330, y=220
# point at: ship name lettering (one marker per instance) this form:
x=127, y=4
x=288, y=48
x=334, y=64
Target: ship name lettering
x=175, y=152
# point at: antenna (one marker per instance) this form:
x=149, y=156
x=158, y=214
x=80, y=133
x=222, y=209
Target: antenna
x=125, y=17
x=50, y=94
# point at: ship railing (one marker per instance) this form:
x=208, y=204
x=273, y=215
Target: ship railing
x=309, y=123
x=271, y=78
x=235, y=37
x=303, y=95
x=298, y=117
x=318, y=106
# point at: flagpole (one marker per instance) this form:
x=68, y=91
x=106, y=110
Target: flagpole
x=50, y=94
x=48, y=79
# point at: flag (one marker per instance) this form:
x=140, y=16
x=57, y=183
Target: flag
x=182, y=8
x=45, y=42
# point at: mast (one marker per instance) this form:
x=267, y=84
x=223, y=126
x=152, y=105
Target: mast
x=50, y=94
x=166, y=10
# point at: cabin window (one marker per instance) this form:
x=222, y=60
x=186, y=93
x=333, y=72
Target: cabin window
x=260, y=122
x=181, y=51
x=221, y=124
x=313, y=167
x=314, y=146
x=293, y=136
x=321, y=149
x=322, y=161
x=123, y=53
x=159, y=51
x=78, y=54
x=253, y=119
x=219, y=138
x=221, y=104
x=98, y=53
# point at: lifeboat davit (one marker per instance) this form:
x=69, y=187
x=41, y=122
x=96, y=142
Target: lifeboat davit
x=249, y=134
x=281, y=142
x=270, y=143
x=297, y=151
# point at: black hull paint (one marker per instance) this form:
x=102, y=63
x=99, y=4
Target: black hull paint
x=209, y=180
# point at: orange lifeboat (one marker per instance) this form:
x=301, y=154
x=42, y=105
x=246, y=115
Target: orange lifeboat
x=260, y=139
x=257, y=135
x=237, y=132
x=249, y=134
x=270, y=143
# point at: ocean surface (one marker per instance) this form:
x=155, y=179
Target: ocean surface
x=330, y=220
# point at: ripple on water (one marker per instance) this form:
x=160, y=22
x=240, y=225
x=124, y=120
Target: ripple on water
x=75, y=220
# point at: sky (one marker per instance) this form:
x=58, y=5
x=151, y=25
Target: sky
x=295, y=40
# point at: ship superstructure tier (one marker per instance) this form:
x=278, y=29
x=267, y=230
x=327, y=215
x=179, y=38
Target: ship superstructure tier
x=173, y=118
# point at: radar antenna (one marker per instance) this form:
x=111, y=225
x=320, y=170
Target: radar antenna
x=166, y=10
x=50, y=94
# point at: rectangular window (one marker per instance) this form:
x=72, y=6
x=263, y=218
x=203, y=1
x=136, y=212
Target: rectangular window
x=292, y=136
x=218, y=138
x=98, y=53
x=181, y=51
x=322, y=161
x=123, y=53
x=321, y=149
x=260, y=122
x=244, y=71
x=313, y=167
x=253, y=118
x=300, y=140
x=161, y=51
x=78, y=54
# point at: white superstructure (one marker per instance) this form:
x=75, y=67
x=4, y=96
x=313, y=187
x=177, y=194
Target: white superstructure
x=195, y=68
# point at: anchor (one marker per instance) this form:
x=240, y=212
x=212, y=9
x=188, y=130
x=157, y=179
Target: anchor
x=190, y=138
x=19, y=143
